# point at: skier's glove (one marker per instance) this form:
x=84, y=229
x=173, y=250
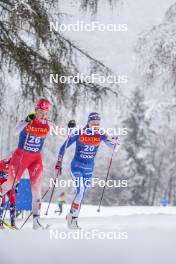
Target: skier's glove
x=30, y=117
x=58, y=167
x=118, y=140
x=71, y=124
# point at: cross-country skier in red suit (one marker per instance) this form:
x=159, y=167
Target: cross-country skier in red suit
x=32, y=133
x=4, y=169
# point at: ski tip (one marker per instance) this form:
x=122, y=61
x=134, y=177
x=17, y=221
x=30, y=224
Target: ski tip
x=46, y=227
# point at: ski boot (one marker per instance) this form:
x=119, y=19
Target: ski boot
x=1, y=225
x=13, y=225
x=72, y=222
x=1, y=198
x=37, y=225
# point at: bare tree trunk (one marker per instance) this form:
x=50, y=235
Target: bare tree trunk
x=154, y=193
x=170, y=190
x=149, y=190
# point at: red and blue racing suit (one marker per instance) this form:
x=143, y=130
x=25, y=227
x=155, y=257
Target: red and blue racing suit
x=28, y=156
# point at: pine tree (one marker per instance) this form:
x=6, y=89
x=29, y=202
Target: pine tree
x=135, y=145
x=29, y=50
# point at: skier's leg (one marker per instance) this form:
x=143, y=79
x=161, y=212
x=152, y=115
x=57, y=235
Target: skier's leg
x=82, y=179
x=35, y=172
x=12, y=200
x=1, y=210
x=81, y=185
x=16, y=169
x=60, y=208
x=80, y=192
x=2, y=206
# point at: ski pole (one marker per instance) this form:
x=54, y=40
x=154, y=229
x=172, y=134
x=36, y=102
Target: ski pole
x=110, y=163
x=26, y=220
x=51, y=196
x=71, y=124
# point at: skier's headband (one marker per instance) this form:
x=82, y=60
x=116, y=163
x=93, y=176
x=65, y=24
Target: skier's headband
x=94, y=116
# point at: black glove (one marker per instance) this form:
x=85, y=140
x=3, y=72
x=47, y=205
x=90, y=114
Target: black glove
x=58, y=167
x=71, y=124
x=30, y=117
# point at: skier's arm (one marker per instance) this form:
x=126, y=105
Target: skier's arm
x=23, y=123
x=66, y=145
x=109, y=142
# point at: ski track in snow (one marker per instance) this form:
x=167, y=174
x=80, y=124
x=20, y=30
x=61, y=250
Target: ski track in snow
x=150, y=238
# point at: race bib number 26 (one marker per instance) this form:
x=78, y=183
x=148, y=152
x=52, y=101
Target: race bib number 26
x=33, y=144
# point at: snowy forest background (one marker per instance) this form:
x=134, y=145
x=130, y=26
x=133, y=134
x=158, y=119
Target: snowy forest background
x=146, y=105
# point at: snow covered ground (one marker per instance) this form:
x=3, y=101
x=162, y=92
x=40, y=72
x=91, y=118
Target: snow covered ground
x=142, y=235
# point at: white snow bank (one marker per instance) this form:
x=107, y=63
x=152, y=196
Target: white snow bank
x=91, y=210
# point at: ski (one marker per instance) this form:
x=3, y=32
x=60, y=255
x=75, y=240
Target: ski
x=44, y=227
x=7, y=224
x=47, y=227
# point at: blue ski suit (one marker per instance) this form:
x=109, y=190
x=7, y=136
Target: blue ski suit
x=82, y=165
